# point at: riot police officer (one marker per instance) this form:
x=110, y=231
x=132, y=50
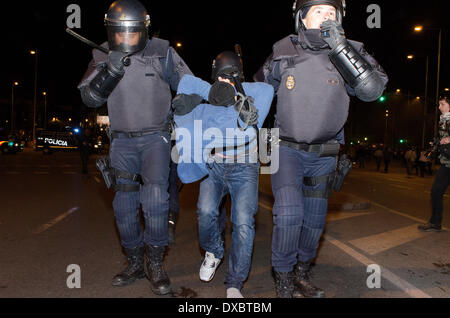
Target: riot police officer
x=313, y=73
x=135, y=79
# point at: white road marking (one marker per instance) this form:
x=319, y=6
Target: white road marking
x=394, y=279
x=409, y=289
x=418, y=220
x=265, y=206
x=344, y=215
x=378, y=243
x=49, y=224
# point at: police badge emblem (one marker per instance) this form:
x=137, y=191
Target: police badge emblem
x=290, y=82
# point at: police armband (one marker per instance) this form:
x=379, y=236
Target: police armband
x=96, y=93
x=357, y=72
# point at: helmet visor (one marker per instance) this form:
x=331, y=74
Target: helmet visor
x=127, y=39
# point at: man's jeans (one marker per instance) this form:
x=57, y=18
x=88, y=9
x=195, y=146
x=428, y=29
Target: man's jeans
x=298, y=220
x=148, y=156
x=241, y=181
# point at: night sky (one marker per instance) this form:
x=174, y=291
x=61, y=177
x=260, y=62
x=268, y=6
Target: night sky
x=206, y=28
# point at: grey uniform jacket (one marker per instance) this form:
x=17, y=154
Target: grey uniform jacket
x=312, y=97
x=142, y=99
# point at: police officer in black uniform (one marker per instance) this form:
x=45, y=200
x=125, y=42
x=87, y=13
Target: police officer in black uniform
x=313, y=73
x=135, y=79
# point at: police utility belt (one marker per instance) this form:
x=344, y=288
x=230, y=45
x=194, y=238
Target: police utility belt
x=110, y=174
x=331, y=181
x=324, y=150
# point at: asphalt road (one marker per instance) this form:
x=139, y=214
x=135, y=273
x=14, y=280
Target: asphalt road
x=52, y=217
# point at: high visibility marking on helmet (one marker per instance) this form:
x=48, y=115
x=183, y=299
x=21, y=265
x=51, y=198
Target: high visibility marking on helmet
x=290, y=82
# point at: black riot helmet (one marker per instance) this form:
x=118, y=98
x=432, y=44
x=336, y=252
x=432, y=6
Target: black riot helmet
x=227, y=64
x=301, y=7
x=127, y=25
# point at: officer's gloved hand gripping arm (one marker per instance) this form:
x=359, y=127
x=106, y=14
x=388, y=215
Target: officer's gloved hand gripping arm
x=97, y=91
x=190, y=93
x=361, y=72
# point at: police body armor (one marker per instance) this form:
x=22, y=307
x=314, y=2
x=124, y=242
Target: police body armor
x=312, y=99
x=142, y=98
x=312, y=84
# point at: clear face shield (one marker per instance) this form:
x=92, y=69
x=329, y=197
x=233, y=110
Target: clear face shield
x=127, y=36
x=126, y=39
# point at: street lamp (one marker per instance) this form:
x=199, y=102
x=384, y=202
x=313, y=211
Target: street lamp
x=419, y=29
x=425, y=101
x=14, y=83
x=35, y=53
x=45, y=109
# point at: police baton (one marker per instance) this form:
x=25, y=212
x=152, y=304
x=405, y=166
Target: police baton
x=125, y=60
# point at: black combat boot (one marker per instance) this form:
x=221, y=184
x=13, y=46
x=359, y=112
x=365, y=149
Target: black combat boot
x=172, y=225
x=302, y=284
x=284, y=284
x=159, y=281
x=134, y=270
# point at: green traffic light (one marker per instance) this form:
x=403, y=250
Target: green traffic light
x=402, y=141
x=382, y=98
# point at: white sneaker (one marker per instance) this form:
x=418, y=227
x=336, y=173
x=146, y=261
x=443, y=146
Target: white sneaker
x=209, y=266
x=234, y=293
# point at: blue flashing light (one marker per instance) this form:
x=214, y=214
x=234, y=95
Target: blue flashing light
x=76, y=130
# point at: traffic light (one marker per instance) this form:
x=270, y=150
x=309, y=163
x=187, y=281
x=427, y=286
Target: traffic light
x=382, y=98
x=401, y=141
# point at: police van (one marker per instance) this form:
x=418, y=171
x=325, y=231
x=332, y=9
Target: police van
x=56, y=140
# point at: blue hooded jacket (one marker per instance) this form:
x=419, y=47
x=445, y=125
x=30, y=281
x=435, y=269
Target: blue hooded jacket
x=209, y=127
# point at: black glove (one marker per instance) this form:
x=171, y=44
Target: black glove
x=115, y=62
x=184, y=104
x=332, y=33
